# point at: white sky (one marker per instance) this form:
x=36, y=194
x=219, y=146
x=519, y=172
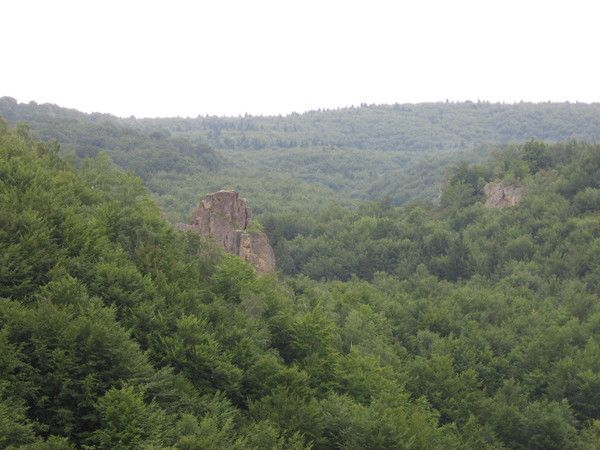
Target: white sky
x=184, y=58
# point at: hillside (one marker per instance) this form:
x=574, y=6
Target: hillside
x=399, y=127
x=476, y=328
x=463, y=237
x=397, y=152
x=87, y=135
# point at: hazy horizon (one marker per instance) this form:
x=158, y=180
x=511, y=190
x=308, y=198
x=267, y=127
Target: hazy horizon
x=230, y=58
x=457, y=102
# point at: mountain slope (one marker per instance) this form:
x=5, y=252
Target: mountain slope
x=371, y=152
x=400, y=127
x=117, y=331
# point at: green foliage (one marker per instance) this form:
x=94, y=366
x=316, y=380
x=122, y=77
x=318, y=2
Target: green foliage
x=587, y=200
x=465, y=186
x=231, y=277
x=344, y=155
x=428, y=327
x=255, y=227
x=15, y=428
x=536, y=154
x=127, y=422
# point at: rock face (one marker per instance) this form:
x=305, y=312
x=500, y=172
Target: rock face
x=222, y=215
x=501, y=195
x=225, y=217
x=254, y=248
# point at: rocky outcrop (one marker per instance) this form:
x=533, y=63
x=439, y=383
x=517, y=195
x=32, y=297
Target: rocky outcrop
x=222, y=215
x=500, y=194
x=255, y=249
x=225, y=217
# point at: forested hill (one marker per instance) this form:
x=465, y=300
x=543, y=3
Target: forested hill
x=397, y=152
x=85, y=135
x=406, y=127
x=479, y=330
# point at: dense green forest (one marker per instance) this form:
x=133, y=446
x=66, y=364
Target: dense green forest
x=430, y=325
x=406, y=127
x=460, y=237
x=397, y=152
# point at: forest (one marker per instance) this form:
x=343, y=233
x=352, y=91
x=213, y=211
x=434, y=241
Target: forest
x=406, y=312
x=372, y=152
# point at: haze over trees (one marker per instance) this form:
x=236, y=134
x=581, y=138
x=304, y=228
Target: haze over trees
x=372, y=152
x=430, y=325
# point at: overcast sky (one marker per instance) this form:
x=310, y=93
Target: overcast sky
x=185, y=58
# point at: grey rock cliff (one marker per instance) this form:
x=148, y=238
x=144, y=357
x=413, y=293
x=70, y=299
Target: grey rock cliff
x=500, y=195
x=225, y=217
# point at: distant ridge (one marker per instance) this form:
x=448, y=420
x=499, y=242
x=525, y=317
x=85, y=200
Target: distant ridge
x=409, y=127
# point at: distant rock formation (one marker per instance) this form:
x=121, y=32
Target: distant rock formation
x=500, y=194
x=225, y=217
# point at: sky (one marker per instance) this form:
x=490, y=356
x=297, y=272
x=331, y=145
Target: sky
x=225, y=57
